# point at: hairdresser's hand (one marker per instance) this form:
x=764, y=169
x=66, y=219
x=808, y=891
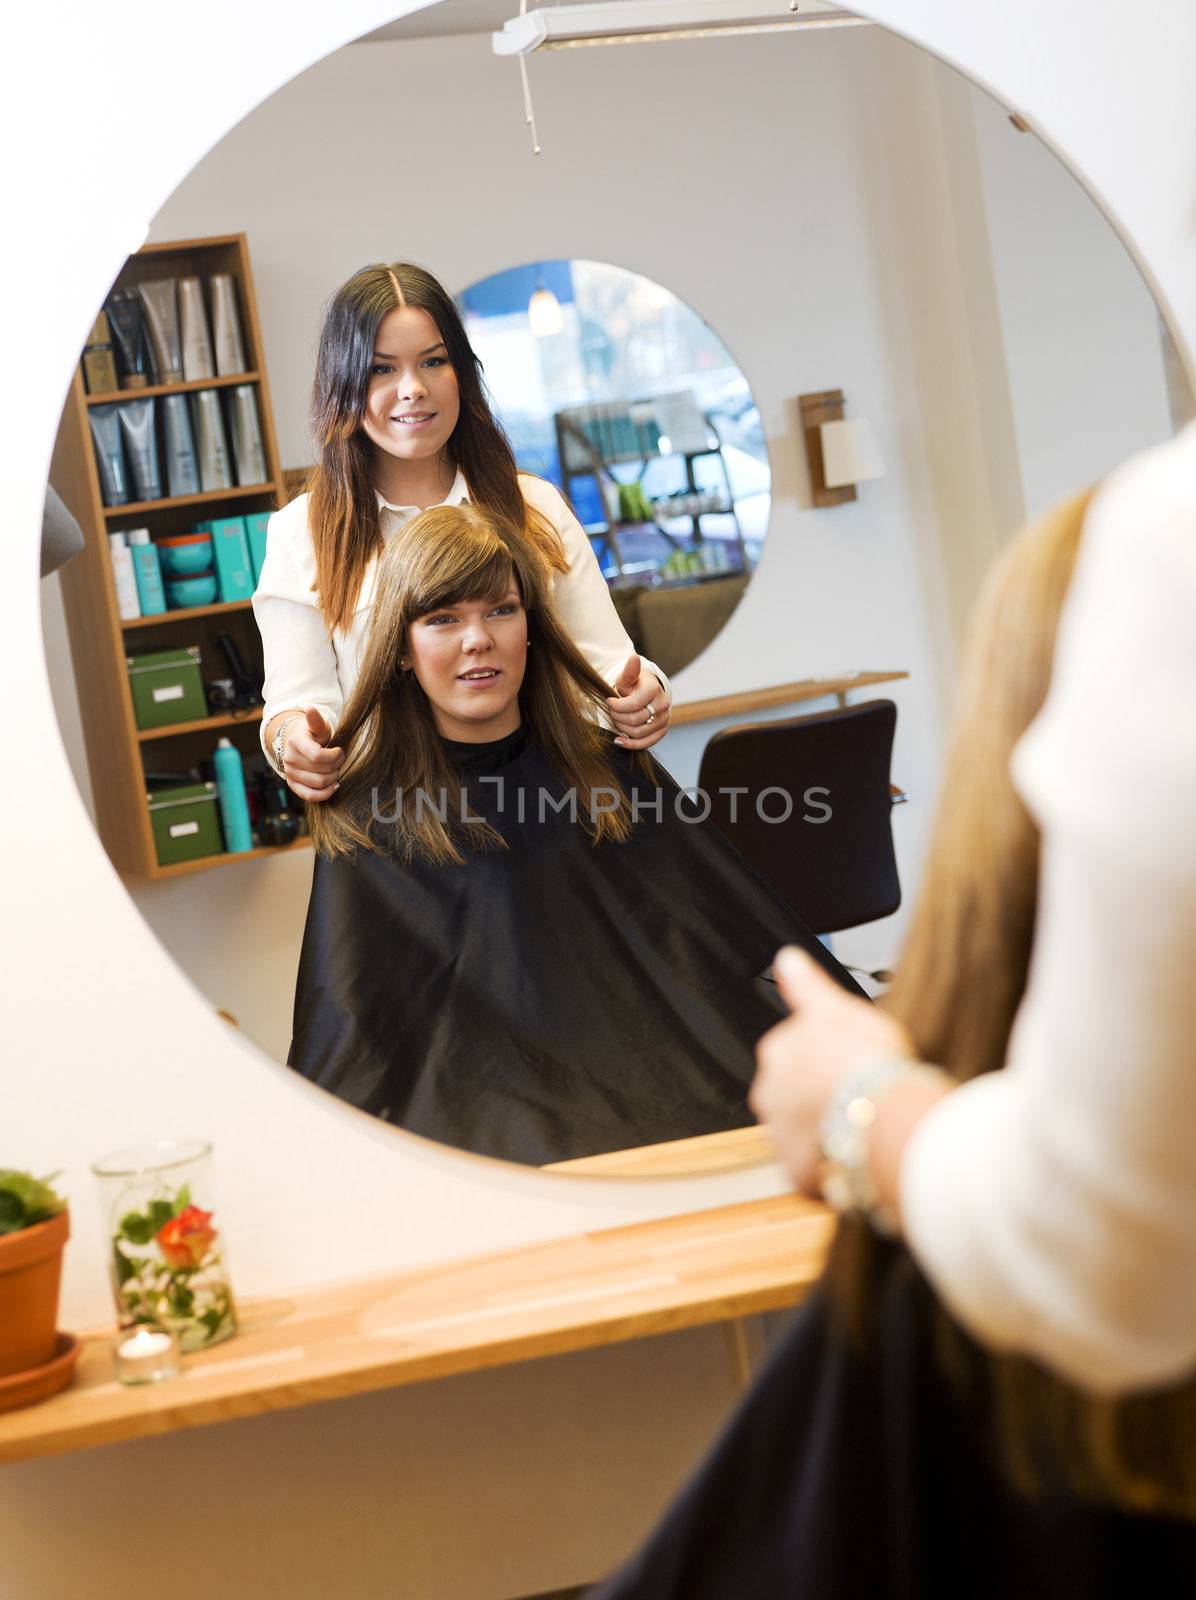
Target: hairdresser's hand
x=639, y=707
x=312, y=769
x=801, y=1062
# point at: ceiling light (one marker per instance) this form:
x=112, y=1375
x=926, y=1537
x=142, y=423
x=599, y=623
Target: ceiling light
x=649, y=21
x=544, y=313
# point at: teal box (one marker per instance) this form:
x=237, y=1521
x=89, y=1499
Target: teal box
x=230, y=556
x=255, y=530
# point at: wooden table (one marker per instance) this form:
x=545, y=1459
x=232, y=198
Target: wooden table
x=377, y=1333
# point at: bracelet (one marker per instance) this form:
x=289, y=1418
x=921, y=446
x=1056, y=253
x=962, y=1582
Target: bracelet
x=845, y=1136
x=276, y=744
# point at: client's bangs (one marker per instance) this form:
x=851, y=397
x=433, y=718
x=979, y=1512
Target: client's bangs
x=487, y=576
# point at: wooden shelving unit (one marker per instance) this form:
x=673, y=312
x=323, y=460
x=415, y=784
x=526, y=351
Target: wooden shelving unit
x=118, y=752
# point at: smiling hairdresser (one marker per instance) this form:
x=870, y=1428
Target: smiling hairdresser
x=402, y=423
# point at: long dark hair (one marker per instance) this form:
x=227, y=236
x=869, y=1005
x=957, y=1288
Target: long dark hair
x=342, y=509
x=446, y=555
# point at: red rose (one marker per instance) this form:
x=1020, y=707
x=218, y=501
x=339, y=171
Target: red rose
x=187, y=1238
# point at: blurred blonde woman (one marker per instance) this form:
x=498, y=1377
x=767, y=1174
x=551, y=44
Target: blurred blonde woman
x=520, y=940
x=884, y=1451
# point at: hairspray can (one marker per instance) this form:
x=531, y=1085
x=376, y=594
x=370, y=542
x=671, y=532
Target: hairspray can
x=234, y=804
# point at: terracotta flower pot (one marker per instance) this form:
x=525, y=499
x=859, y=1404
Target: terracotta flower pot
x=30, y=1267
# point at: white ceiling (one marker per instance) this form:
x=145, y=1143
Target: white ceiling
x=450, y=16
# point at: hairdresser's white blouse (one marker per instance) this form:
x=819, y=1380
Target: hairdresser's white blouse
x=306, y=668
x=1054, y=1204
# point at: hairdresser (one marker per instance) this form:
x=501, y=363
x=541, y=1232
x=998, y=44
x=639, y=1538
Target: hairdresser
x=402, y=423
x=1053, y=1205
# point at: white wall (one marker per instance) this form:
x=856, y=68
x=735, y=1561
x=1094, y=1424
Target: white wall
x=100, y=1026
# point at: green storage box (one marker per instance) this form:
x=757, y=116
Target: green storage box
x=185, y=822
x=166, y=687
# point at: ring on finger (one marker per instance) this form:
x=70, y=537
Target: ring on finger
x=651, y=717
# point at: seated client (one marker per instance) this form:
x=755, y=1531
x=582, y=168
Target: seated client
x=522, y=939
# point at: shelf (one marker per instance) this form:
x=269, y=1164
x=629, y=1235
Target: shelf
x=225, y=858
x=137, y=508
x=184, y=613
x=777, y=694
x=151, y=391
x=579, y=1293
x=200, y=725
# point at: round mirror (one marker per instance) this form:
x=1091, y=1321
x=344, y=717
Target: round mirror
x=613, y=389
x=942, y=334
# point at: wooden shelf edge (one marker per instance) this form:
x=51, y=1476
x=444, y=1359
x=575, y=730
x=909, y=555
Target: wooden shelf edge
x=200, y=725
x=152, y=391
x=137, y=508
x=183, y=613
x=777, y=694
x=579, y=1293
x=226, y=858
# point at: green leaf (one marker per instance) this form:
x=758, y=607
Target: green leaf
x=137, y=1228
x=26, y=1200
x=182, y=1200
x=160, y=1213
x=125, y=1269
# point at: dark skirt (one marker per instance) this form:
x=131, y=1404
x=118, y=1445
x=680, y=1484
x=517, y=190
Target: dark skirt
x=552, y=999
x=853, y=1474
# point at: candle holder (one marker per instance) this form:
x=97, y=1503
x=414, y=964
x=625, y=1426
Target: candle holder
x=146, y=1355
x=167, y=1259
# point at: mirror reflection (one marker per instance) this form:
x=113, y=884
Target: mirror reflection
x=242, y=628
x=614, y=390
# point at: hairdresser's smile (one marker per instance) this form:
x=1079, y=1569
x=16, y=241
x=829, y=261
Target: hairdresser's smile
x=469, y=658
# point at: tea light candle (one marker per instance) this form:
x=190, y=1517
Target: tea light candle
x=147, y=1356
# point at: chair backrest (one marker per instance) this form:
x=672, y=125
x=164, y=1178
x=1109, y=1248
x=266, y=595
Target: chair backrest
x=832, y=858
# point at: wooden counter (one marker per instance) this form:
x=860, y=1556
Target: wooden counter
x=778, y=694
x=541, y=1300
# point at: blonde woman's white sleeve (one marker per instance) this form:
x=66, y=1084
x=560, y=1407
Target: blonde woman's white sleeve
x=1053, y=1205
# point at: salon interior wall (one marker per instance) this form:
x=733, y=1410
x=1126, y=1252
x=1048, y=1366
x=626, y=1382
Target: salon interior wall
x=899, y=255
x=506, y=1482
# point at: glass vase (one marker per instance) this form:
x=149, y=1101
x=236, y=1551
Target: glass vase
x=167, y=1254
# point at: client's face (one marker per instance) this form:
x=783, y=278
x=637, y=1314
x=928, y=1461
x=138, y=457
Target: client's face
x=469, y=660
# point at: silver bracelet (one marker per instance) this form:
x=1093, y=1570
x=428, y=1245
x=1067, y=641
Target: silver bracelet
x=276, y=744
x=845, y=1136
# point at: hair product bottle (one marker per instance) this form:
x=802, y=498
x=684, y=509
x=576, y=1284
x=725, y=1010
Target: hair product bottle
x=248, y=454
x=234, y=804
x=147, y=569
x=99, y=363
x=127, y=319
x=198, y=360
x=104, y=422
x=127, y=603
x=160, y=300
x=182, y=471
x=226, y=325
x=215, y=471
x=137, y=426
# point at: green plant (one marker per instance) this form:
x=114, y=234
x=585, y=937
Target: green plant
x=26, y=1200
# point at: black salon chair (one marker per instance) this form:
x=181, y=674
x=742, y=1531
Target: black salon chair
x=832, y=858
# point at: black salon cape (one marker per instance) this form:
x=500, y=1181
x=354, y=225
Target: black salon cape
x=554, y=999
x=853, y=1470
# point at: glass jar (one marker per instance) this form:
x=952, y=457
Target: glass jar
x=167, y=1256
